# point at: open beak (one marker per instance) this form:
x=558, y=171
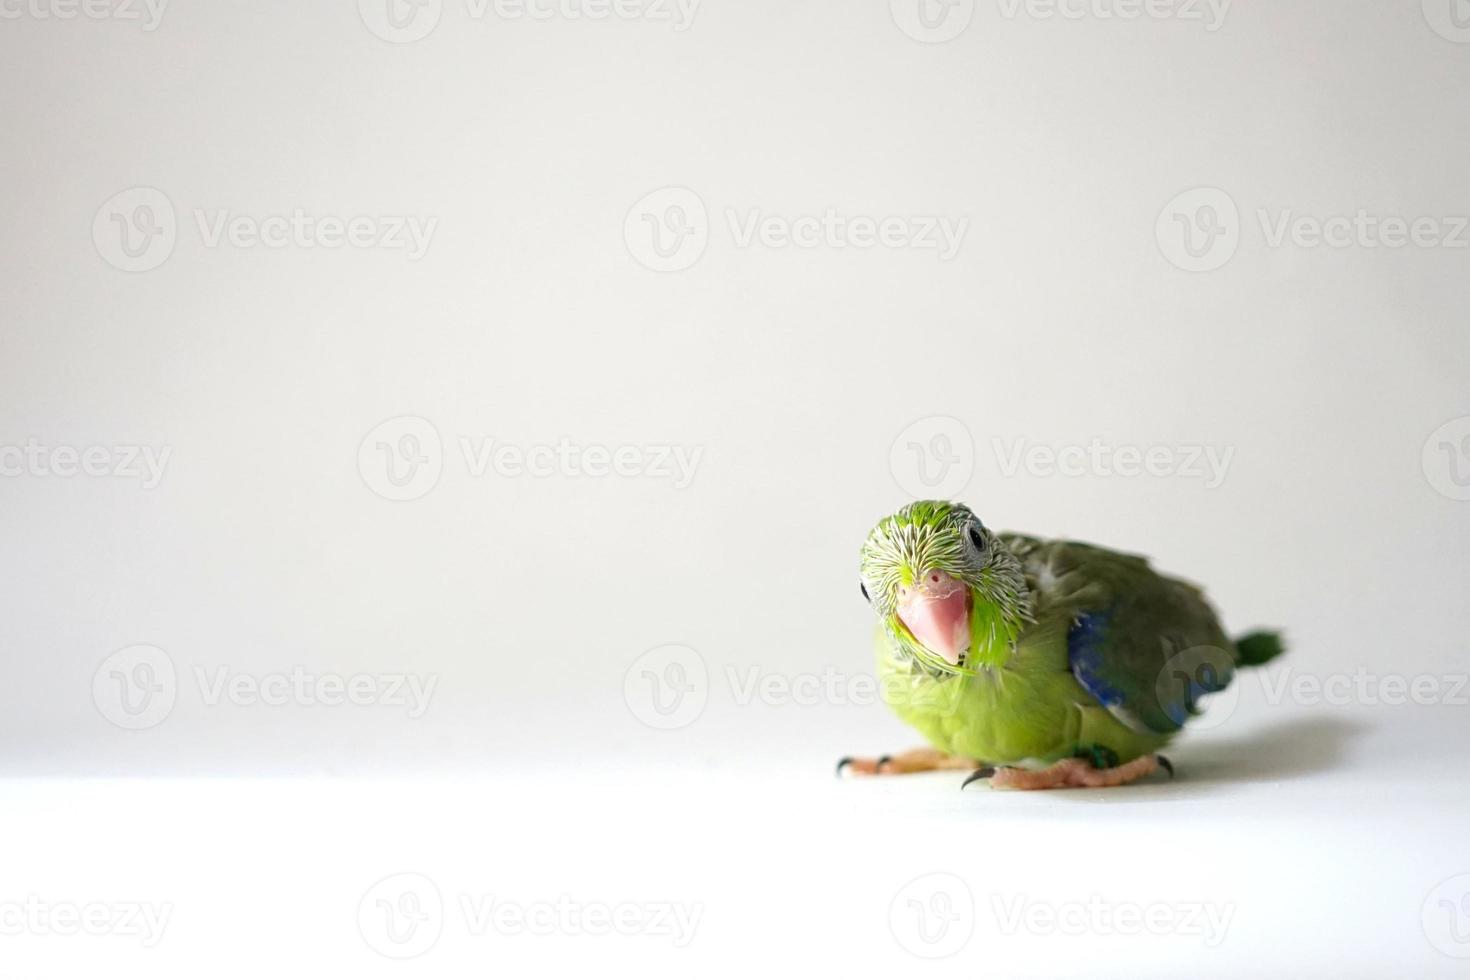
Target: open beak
x=936, y=609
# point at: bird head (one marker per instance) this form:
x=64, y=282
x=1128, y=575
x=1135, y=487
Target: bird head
x=948, y=591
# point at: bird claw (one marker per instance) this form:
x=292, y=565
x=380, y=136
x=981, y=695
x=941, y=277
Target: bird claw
x=1165, y=764
x=848, y=760
x=984, y=772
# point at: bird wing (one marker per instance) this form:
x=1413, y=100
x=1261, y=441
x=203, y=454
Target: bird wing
x=1147, y=647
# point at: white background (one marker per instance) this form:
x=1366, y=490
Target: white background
x=542, y=152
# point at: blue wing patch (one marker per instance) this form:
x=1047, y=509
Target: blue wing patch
x=1085, y=642
x=1145, y=688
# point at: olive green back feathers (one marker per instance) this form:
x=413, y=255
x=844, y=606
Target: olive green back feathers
x=1148, y=647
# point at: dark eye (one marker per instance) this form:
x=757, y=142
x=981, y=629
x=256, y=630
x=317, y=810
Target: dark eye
x=864, y=587
x=976, y=538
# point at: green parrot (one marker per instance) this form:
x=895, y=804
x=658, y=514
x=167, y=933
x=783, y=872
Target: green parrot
x=1036, y=664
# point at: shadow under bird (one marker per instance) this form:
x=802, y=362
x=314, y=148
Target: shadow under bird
x=1036, y=664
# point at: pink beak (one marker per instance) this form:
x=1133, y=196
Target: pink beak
x=936, y=609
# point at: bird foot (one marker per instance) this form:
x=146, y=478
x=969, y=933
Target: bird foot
x=1070, y=773
x=917, y=760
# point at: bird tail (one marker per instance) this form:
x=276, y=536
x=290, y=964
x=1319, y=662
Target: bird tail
x=1258, y=647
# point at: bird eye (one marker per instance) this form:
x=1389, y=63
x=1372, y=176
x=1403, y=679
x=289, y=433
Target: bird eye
x=864, y=587
x=976, y=538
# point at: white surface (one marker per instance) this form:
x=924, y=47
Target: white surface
x=1334, y=379
x=1319, y=839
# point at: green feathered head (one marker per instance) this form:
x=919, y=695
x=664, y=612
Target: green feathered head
x=948, y=591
